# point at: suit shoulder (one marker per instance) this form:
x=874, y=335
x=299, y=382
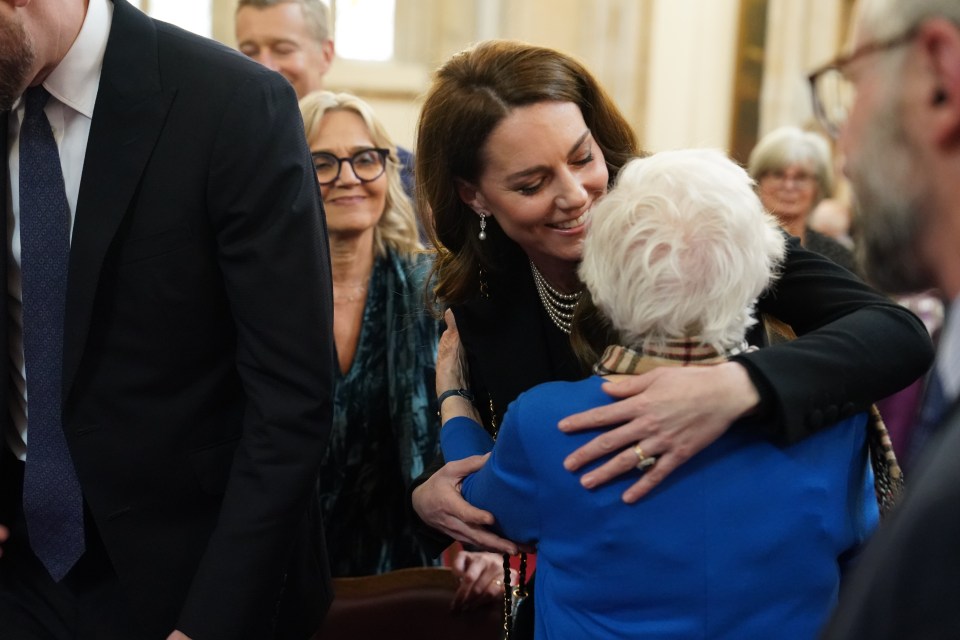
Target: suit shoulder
x=186, y=57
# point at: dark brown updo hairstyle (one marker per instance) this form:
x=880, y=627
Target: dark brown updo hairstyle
x=471, y=93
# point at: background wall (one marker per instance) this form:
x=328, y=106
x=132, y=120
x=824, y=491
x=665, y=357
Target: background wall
x=690, y=92
x=673, y=66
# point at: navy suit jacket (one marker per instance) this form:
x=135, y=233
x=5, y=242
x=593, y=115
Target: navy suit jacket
x=906, y=583
x=198, y=359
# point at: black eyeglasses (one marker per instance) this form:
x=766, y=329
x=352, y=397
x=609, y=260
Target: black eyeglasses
x=833, y=92
x=367, y=165
x=782, y=178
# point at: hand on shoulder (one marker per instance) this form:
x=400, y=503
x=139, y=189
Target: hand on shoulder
x=670, y=413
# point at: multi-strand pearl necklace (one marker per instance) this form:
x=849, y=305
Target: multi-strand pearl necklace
x=560, y=306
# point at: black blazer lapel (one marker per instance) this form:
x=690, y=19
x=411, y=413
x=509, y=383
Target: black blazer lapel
x=511, y=344
x=129, y=114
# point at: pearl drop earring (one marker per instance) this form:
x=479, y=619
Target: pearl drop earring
x=483, y=227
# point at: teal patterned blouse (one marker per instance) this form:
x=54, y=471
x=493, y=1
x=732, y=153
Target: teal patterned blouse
x=385, y=426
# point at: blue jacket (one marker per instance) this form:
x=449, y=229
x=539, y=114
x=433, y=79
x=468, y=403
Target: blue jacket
x=746, y=540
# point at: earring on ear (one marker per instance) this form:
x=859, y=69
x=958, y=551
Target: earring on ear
x=483, y=225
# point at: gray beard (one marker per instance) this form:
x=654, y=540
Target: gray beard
x=887, y=249
x=16, y=59
x=890, y=204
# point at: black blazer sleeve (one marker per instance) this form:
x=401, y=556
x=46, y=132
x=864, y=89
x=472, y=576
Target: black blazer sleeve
x=855, y=347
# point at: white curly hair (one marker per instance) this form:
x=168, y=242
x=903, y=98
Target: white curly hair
x=681, y=247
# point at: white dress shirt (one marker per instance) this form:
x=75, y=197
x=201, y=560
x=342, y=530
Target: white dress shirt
x=73, y=88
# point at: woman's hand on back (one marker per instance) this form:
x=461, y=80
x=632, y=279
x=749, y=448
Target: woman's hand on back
x=438, y=501
x=439, y=504
x=670, y=413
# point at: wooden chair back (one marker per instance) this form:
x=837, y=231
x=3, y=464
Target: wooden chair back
x=407, y=603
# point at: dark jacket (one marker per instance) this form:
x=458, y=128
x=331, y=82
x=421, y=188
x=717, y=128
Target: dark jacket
x=198, y=357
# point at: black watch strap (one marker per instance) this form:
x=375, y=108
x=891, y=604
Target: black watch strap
x=463, y=393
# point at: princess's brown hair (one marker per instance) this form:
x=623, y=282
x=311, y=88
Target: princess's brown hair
x=471, y=93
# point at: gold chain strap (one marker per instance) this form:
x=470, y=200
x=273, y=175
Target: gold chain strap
x=484, y=287
x=510, y=594
x=507, y=598
x=494, y=427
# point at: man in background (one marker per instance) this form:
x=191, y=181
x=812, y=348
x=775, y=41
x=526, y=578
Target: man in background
x=902, y=147
x=167, y=316
x=293, y=38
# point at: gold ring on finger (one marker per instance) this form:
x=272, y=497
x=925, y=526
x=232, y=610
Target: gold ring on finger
x=643, y=461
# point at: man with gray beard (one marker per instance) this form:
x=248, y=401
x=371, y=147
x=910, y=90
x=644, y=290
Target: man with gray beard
x=894, y=104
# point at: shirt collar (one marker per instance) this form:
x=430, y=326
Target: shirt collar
x=76, y=79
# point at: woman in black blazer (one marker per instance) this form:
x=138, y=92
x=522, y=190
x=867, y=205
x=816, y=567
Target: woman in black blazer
x=515, y=144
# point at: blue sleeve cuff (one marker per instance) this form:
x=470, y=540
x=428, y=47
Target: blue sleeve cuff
x=461, y=437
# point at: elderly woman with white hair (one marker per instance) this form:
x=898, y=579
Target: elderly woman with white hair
x=747, y=539
x=794, y=173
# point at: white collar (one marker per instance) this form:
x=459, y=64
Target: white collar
x=76, y=79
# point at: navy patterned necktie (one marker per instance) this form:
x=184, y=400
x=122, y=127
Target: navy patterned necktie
x=52, y=501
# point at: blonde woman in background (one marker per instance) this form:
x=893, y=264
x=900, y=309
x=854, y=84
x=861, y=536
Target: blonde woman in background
x=385, y=417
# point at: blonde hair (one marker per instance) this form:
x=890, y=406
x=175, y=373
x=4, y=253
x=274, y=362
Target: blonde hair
x=397, y=228
x=681, y=247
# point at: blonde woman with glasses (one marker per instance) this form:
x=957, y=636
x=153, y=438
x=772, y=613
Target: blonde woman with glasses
x=385, y=416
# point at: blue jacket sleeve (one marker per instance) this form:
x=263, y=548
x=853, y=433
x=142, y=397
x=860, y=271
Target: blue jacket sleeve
x=506, y=485
x=462, y=437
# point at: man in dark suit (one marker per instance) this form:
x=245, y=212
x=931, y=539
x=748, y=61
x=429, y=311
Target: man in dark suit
x=902, y=148
x=159, y=438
